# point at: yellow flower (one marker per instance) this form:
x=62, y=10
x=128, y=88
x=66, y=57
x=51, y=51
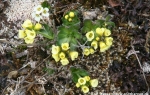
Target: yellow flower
x=66, y=16
x=100, y=31
x=71, y=14
x=21, y=34
x=70, y=19
x=108, y=41
x=56, y=57
x=86, y=51
x=28, y=40
x=103, y=46
x=90, y=36
x=27, y=24
x=55, y=49
x=77, y=85
x=94, y=82
x=30, y=33
x=97, y=38
x=73, y=55
x=107, y=32
x=85, y=89
x=37, y=26
x=91, y=51
x=65, y=46
x=81, y=81
x=62, y=55
x=64, y=61
x=94, y=44
x=87, y=78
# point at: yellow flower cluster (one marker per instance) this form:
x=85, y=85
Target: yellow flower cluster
x=88, y=51
x=69, y=16
x=60, y=53
x=100, y=38
x=85, y=82
x=29, y=31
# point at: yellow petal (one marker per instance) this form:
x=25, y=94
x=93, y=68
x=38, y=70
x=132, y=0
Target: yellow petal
x=85, y=89
x=107, y=32
x=90, y=35
x=86, y=51
x=66, y=16
x=28, y=40
x=27, y=24
x=81, y=81
x=37, y=26
x=71, y=14
x=77, y=85
x=94, y=82
x=73, y=55
x=64, y=61
x=109, y=41
x=56, y=57
x=30, y=33
x=21, y=34
x=94, y=44
x=55, y=49
x=65, y=46
x=100, y=31
x=87, y=78
x=62, y=55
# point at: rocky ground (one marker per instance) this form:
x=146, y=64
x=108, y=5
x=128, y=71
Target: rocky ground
x=30, y=69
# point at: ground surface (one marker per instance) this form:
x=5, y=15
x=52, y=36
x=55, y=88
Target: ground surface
x=120, y=69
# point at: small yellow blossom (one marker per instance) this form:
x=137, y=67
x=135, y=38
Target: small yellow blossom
x=70, y=19
x=77, y=85
x=73, y=55
x=107, y=32
x=28, y=40
x=90, y=36
x=94, y=44
x=27, y=24
x=103, y=46
x=100, y=31
x=71, y=14
x=94, y=82
x=85, y=89
x=87, y=78
x=81, y=81
x=86, y=51
x=66, y=16
x=65, y=46
x=37, y=26
x=109, y=41
x=64, y=61
x=21, y=34
x=97, y=38
x=30, y=33
x=91, y=51
x=55, y=49
x=62, y=55
x=56, y=57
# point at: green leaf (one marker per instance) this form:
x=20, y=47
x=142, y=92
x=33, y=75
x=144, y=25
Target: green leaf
x=46, y=32
x=77, y=73
x=73, y=44
x=45, y=4
x=110, y=24
x=49, y=70
x=100, y=23
x=87, y=26
x=108, y=17
x=64, y=40
x=75, y=77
